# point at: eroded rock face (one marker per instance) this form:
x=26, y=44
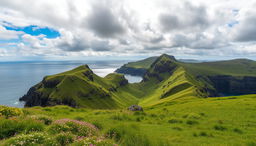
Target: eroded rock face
x=135, y=108
x=123, y=81
x=131, y=71
x=34, y=98
x=230, y=85
x=159, y=67
x=89, y=74
x=50, y=83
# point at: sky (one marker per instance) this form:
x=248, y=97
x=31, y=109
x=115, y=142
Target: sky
x=121, y=29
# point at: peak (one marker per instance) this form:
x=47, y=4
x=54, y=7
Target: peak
x=166, y=56
x=82, y=67
x=163, y=64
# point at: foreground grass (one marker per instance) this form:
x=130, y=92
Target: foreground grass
x=210, y=121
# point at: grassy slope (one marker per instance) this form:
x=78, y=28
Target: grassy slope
x=182, y=83
x=177, y=82
x=145, y=63
x=175, y=86
x=237, y=67
x=210, y=121
x=87, y=93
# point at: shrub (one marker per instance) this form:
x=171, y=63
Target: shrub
x=172, y=121
x=10, y=128
x=135, y=139
x=13, y=127
x=98, y=125
x=45, y=119
x=121, y=117
x=30, y=140
x=138, y=119
x=203, y=134
x=76, y=127
x=252, y=143
x=79, y=118
x=128, y=135
x=177, y=128
x=192, y=122
x=220, y=128
x=137, y=113
x=192, y=116
x=115, y=133
x=238, y=130
x=32, y=126
x=10, y=111
x=64, y=138
x=153, y=115
x=47, y=109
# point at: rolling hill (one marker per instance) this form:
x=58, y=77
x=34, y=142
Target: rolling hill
x=172, y=94
x=165, y=79
x=80, y=87
x=138, y=68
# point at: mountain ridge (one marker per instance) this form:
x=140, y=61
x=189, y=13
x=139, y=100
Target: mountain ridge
x=165, y=80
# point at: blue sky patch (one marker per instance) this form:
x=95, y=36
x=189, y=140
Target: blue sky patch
x=35, y=30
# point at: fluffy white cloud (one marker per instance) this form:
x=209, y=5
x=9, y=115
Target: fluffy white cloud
x=131, y=27
x=8, y=34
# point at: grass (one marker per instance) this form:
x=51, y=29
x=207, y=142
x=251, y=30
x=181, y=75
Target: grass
x=166, y=81
x=80, y=87
x=145, y=63
x=171, y=94
x=210, y=121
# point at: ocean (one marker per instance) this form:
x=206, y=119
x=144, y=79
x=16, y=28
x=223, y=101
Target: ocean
x=17, y=77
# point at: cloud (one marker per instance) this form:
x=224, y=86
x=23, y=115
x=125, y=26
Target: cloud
x=245, y=29
x=129, y=27
x=101, y=46
x=74, y=45
x=8, y=34
x=104, y=23
x=199, y=41
x=188, y=17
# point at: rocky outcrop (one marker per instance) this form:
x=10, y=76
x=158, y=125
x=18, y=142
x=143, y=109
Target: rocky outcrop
x=37, y=98
x=34, y=98
x=164, y=64
x=123, y=81
x=131, y=71
x=61, y=89
x=135, y=108
x=231, y=85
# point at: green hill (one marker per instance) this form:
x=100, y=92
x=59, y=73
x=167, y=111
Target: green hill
x=137, y=68
x=80, y=87
x=165, y=80
x=172, y=94
x=231, y=77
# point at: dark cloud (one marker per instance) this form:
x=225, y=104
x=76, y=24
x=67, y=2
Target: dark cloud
x=104, y=23
x=198, y=41
x=76, y=45
x=246, y=30
x=79, y=44
x=157, y=39
x=123, y=42
x=187, y=18
x=155, y=47
x=101, y=46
